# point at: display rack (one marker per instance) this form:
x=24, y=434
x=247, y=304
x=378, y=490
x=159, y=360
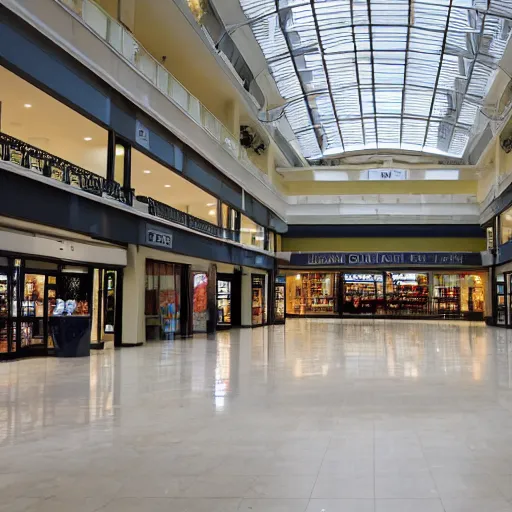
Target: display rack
x=408, y=299
x=314, y=295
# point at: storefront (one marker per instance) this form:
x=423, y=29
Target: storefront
x=440, y=292
x=38, y=292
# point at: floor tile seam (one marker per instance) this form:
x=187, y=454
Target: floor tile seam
x=320, y=468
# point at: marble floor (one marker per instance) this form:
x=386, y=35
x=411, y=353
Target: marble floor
x=315, y=416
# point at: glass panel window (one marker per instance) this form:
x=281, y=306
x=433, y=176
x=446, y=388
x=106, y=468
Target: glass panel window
x=119, y=164
x=506, y=226
x=152, y=179
x=363, y=294
x=225, y=217
x=407, y=293
x=252, y=233
x=311, y=293
x=36, y=118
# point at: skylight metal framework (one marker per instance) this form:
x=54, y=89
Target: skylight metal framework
x=381, y=74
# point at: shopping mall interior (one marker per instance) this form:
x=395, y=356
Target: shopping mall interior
x=256, y=255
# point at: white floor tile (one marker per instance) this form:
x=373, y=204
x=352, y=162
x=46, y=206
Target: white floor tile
x=321, y=414
x=330, y=505
x=412, y=485
x=341, y=486
x=409, y=505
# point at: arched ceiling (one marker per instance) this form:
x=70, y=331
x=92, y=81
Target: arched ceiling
x=359, y=75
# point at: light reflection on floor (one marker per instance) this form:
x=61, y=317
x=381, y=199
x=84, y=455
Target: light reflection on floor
x=330, y=415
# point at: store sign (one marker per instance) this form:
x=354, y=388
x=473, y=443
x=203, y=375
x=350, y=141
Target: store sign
x=387, y=174
x=355, y=259
x=363, y=278
x=158, y=238
x=403, y=278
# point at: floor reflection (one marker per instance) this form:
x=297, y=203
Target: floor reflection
x=103, y=391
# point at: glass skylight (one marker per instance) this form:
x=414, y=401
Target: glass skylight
x=381, y=74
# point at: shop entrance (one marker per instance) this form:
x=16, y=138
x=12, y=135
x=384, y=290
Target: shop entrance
x=395, y=293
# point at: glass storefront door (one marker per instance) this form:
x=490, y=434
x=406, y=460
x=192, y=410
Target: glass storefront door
x=34, y=311
x=163, y=294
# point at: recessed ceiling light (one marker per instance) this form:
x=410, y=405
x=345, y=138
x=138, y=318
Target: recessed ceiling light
x=27, y=105
x=87, y=139
x=147, y=171
x=210, y=204
x=119, y=151
x=211, y=212
x=167, y=186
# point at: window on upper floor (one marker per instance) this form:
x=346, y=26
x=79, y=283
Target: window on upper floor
x=41, y=121
x=252, y=233
x=506, y=226
x=151, y=179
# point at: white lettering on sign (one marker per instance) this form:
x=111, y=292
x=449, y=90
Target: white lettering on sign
x=154, y=237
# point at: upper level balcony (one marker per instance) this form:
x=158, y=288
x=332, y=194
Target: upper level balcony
x=79, y=25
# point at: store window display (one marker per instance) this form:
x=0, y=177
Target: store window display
x=200, y=302
x=311, y=294
x=363, y=294
x=407, y=293
x=224, y=289
x=162, y=304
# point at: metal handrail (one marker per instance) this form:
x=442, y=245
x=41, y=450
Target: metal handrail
x=166, y=212
x=51, y=166
x=44, y=163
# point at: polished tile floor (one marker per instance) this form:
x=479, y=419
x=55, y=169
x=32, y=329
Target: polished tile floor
x=316, y=416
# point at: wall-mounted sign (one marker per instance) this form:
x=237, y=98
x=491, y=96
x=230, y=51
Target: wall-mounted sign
x=404, y=278
x=158, y=238
x=141, y=134
x=360, y=278
x=386, y=259
x=490, y=238
x=387, y=174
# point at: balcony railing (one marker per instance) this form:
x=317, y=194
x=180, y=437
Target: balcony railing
x=122, y=41
x=36, y=160
x=166, y=212
x=39, y=161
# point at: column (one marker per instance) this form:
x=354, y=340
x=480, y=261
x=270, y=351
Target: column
x=233, y=118
x=246, y=302
x=134, y=280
